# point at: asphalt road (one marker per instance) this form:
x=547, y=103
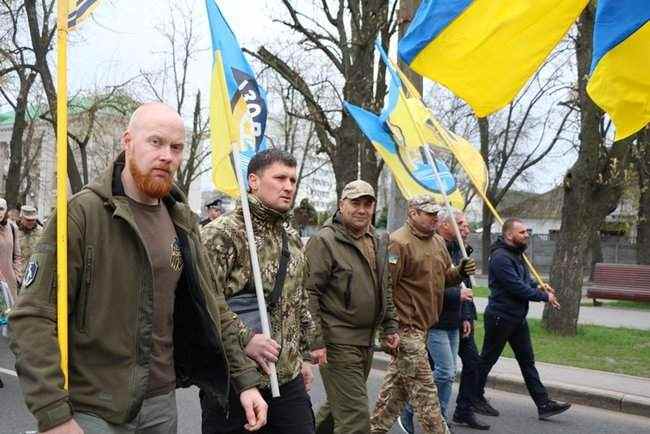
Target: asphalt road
x=517, y=411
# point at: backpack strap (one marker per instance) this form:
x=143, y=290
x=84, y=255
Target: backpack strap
x=281, y=274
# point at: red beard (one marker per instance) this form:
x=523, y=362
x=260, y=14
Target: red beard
x=154, y=187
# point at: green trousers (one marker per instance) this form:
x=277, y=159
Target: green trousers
x=344, y=377
x=157, y=416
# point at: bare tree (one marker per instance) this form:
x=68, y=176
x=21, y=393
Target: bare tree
x=41, y=19
x=183, y=44
x=341, y=33
x=295, y=134
x=516, y=139
x=17, y=77
x=592, y=189
x=642, y=159
x=93, y=115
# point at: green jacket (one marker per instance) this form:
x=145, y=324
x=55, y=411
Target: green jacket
x=342, y=287
x=227, y=246
x=110, y=299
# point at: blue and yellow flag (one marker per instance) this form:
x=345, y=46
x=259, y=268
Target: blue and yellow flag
x=620, y=68
x=238, y=110
x=484, y=51
x=412, y=173
x=79, y=10
x=412, y=126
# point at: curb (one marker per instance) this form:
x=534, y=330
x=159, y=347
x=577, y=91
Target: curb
x=588, y=396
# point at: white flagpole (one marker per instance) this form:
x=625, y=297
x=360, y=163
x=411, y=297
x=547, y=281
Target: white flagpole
x=459, y=238
x=255, y=263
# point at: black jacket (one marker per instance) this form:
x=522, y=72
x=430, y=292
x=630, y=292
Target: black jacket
x=511, y=287
x=453, y=310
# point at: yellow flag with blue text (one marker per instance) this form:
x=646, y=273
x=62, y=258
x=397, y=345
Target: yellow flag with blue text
x=620, y=70
x=79, y=10
x=238, y=111
x=484, y=51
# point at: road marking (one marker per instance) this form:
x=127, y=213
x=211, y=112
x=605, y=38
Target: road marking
x=8, y=372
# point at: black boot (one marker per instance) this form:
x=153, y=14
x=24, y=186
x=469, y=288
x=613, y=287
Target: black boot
x=1, y=384
x=469, y=419
x=482, y=406
x=551, y=408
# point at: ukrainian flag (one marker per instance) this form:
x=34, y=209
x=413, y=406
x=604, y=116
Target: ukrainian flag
x=409, y=166
x=620, y=68
x=485, y=50
x=238, y=110
x=79, y=10
x=412, y=126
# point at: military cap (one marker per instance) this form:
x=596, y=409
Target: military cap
x=3, y=203
x=357, y=189
x=426, y=203
x=28, y=212
x=214, y=204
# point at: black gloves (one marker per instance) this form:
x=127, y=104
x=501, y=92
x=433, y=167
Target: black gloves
x=467, y=267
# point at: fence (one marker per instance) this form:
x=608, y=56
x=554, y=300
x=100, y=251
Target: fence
x=541, y=247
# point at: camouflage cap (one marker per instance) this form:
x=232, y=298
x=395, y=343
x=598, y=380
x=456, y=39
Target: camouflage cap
x=357, y=189
x=28, y=212
x=214, y=204
x=426, y=203
x=3, y=203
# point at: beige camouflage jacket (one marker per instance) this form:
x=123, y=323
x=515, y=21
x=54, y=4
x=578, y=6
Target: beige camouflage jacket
x=291, y=323
x=28, y=240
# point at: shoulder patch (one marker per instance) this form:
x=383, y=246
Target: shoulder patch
x=393, y=258
x=30, y=273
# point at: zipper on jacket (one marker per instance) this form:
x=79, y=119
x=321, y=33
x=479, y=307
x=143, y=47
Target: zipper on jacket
x=348, y=292
x=89, y=263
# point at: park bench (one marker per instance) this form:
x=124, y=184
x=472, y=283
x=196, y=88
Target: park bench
x=619, y=282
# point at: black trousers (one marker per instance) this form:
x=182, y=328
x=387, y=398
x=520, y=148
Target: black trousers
x=291, y=413
x=498, y=332
x=468, y=390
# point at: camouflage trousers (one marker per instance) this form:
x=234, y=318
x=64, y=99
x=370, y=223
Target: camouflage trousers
x=409, y=379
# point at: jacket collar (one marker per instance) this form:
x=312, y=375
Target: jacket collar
x=500, y=243
x=419, y=234
x=341, y=232
x=110, y=188
x=262, y=214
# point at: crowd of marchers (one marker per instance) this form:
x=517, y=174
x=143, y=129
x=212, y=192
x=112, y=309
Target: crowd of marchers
x=157, y=301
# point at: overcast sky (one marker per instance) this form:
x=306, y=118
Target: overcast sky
x=121, y=39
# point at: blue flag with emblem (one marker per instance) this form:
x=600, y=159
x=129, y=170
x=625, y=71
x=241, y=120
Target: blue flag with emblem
x=238, y=111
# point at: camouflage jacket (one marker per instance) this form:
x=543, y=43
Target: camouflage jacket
x=28, y=240
x=291, y=322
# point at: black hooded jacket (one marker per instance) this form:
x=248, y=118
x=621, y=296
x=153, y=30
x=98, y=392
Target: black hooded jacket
x=511, y=287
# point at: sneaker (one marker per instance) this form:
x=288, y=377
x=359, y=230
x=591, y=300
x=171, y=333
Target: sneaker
x=402, y=425
x=483, y=407
x=552, y=408
x=469, y=420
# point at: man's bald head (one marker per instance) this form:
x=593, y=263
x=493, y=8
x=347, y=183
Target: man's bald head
x=156, y=111
x=153, y=144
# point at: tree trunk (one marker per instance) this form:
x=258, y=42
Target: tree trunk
x=592, y=188
x=643, y=221
x=15, y=173
x=595, y=251
x=398, y=205
x=487, y=217
x=345, y=161
x=42, y=46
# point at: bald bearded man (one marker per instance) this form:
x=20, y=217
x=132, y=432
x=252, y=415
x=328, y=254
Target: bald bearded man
x=145, y=315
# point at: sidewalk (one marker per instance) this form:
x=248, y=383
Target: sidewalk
x=602, y=315
x=615, y=392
